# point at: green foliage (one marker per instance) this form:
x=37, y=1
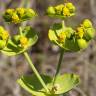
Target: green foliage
x=63, y=84
x=14, y=45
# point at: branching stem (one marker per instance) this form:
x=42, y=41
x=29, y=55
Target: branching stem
x=35, y=71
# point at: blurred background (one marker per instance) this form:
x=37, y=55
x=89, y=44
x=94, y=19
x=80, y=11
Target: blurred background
x=44, y=54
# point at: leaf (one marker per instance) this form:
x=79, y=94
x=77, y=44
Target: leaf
x=14, y=48
x=66, y=82
x=33, y=85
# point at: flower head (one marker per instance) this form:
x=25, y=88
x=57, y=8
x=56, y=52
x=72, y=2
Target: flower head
x=80, y=32
x=20, y=11
x=66, y=11
x=5, y=35
x=15, y=18
x=24, y=41
x=62, y=37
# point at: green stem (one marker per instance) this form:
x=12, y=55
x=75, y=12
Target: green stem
x=35, y=71
x=58, y=66
x=20, y=31
x=63, y=25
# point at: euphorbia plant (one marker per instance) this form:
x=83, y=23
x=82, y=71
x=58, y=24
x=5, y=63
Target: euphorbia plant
x=67, y=38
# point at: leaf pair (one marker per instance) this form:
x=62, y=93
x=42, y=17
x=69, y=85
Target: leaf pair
x=63, y=84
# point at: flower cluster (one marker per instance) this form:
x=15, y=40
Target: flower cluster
x=24, y=41
x=70, y=39
x=62, y=10
x=85, y=30
x=4, y=35
x=18, y=15
x=21, y=41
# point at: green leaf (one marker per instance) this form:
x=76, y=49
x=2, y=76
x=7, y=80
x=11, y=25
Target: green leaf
x=33, y=85
x=14, y=48
x=66, y=82
x=11, y=49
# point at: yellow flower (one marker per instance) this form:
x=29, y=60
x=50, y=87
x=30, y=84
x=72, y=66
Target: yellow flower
x=15, y=18
x=20, y=11
x=23, y=42
x=5, y=35
x=62, y=37
x=80, y=32
x=66, y=11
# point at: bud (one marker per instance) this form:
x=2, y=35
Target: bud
x=59, y=9
x=82, y=43
x=29, y=13
x=89, y=33
x=51, y=10
x=71, y=7
x=1, y=29
x=87, y=23
x=2, y=44
x=16, y=39
x=9, y=11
